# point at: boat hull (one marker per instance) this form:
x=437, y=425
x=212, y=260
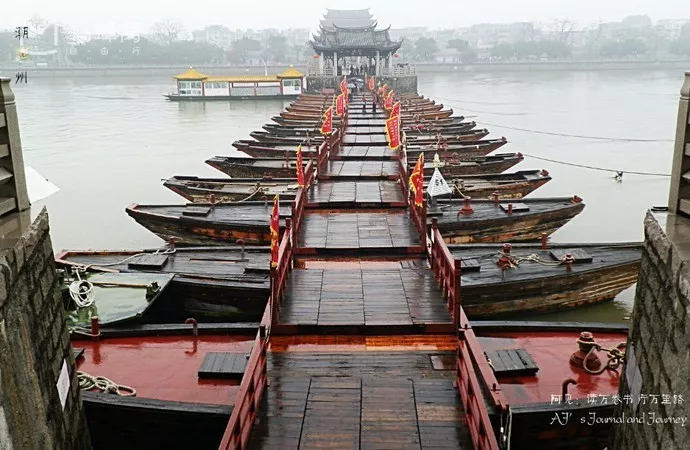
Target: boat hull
x=201, y=98
x=508, y=228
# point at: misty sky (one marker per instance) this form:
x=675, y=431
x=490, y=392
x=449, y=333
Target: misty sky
x=135, y=16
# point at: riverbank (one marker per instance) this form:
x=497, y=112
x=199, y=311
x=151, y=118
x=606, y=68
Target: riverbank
x=170, y=70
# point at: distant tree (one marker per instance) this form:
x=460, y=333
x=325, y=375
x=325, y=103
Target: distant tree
x=166, y=32
x=277, y=48
x=468, y=56
x=552, y=48
x=240, y=48
x=425, y=48
x=458, y=44
x=681, y=46
x=562, y=29
x=620, y=49
x=8, y=46
x=503, y=50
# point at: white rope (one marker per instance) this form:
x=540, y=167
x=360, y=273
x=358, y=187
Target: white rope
x=82, y=292
x=88, y=382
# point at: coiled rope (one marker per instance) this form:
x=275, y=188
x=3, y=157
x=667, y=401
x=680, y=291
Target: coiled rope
x=88, y=382
x=616, y=356
x=517, y=260
x=81, y=291
x=604, y=169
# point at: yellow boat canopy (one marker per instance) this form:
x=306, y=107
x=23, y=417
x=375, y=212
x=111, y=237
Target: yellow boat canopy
x=193, y=75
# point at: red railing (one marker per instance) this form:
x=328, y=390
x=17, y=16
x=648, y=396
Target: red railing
x=418, y=213
x=470, y=356
x=280, y=272
x=470, y=360
x=446, y=270
x=254, y=381
x=300, y=200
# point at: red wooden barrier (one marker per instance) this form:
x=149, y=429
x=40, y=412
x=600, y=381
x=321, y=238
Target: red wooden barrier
x=446, y=270
x=280, y=273
x=300, y=201
x=254, y=380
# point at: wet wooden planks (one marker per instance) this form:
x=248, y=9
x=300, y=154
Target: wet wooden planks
x=364, y=139
x=359, y=400
x=358, y=230
x=362, y=169
x=355, y=193
x=365, y=152
x=365, y=297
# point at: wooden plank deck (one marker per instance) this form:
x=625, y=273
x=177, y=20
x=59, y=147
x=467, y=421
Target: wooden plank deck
x=364, y=139
x=361, y=170
x=377, y=152
x=335, y=230
x=402, y=299
x=356, y=194
x=359, y=400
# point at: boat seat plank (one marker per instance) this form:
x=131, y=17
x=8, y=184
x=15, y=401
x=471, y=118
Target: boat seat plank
x=580, y=255
x=516, y=207
x=512, y=362
x=224, y=365
x=197, y=211
x=149, y=261
x=470, y=265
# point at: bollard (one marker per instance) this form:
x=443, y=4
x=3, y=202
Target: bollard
x=95, y=328
x=195, y=326
x=577, y=199
x=213, y=200
x=510, y=209
x=544, y=173
x=240, y=242
x=494, y=194
x=585, y=344
x=504, y=260
x=467, y=207
x=568, y=260
x=544, y=241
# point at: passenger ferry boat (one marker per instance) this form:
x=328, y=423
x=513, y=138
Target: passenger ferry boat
x=195, y=86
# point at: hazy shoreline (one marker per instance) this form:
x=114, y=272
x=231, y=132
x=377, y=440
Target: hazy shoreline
x=165, y=70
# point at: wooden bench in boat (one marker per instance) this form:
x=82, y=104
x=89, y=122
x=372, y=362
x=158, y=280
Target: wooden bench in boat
x=512, y=362
x=223, y=365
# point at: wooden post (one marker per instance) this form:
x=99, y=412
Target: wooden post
x=289, y=230
x=272, y=298
x=457, y=284
x=422, y=222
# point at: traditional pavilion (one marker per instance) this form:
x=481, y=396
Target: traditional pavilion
x=349, y=43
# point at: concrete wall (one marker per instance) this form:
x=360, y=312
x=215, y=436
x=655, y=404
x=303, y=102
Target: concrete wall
x=34, y=344
x=658, y=354
x=404, y=84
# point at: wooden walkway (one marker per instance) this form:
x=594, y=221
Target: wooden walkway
x=363, y=352
x=360, y=400
x=356, y=194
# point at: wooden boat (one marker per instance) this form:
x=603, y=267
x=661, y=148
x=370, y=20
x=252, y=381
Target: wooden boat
x=179, y=402
x=210, y=284
x=349, y=139
x=281, y=168
x=507, y=185
x=201, y=190
x=411, y=131
x=276, y=149
x=264, y=136
x=316, y=122
x=527, y=367
x=503, y=221
x=429, y=115
x=537, y=280
x=202, y=224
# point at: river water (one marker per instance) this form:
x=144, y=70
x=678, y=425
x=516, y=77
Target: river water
x=108, y=142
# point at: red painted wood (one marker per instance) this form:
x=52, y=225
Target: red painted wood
x=163, y=367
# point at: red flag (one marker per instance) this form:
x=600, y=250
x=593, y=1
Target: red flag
x=300, y=167
x=371, y=83
x=383, y=89
x=340, y=105
x=388, y=104
x=417, y=181
x=393, y=132
x=275, y=232
x=395, y=111
x=343, y=85
x=327, y=125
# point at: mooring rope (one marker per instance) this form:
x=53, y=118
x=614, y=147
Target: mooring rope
x=88, y=382
x=603, y=169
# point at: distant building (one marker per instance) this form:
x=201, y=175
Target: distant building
x=670, y=28
x=215, y=34
x=498, y=33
